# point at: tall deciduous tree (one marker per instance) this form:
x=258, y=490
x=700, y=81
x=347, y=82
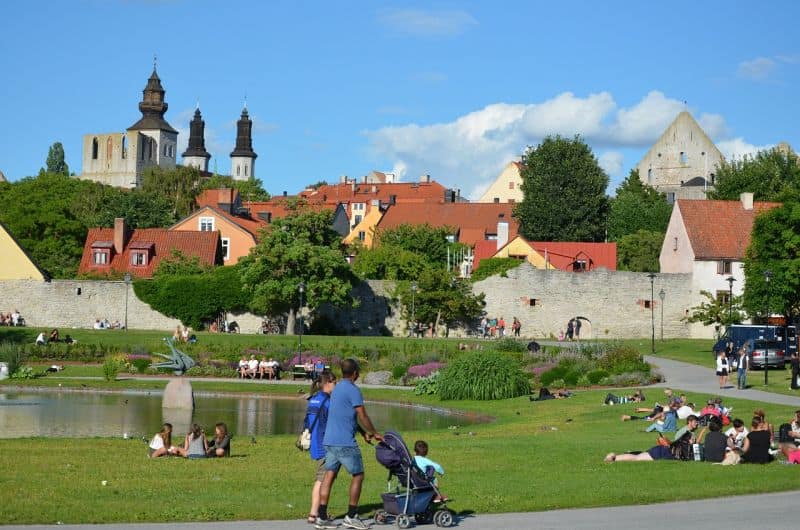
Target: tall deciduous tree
x=302, y=248
x=564, y=191
x=771, y=175
x=774, y=246
x=635, y=207
x=180, y=185
x=639, y=252
x=251, y=189
x=440, y=299
x=56, y=164
x=426, y=240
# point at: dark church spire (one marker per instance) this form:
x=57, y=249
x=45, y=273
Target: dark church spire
x=244, y=136
x=197, y=142
x=153, y=107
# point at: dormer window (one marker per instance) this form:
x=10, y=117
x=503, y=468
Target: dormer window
x=139, y=258
x=141, y=252
x=101, y=252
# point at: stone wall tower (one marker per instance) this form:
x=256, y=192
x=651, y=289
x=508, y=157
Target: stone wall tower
x=196, y=155
x=243, y=158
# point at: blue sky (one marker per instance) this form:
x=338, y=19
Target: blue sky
x=451, y=89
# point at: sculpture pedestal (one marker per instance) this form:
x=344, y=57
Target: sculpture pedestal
x=178, y=395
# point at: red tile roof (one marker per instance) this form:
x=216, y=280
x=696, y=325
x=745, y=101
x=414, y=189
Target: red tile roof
x=562, y=254
x=363, y=192
x=204, y=245
x=474, y=221
x=719, y=229
x=215, y=197
x=278, y=208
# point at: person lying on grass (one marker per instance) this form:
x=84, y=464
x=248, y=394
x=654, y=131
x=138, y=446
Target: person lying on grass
x=612, y=399
x=664, y=450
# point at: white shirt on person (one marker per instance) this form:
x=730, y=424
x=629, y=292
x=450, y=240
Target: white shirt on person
x=685, y=411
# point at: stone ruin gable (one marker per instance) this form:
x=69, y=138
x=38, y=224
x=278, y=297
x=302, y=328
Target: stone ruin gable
x=614, y=302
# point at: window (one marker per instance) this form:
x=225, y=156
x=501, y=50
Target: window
x=647, y=304
x=358, y=206
x=670, y=197
x=684, y=158
x=100, y=257
x=124, y=151
x=109, y=149
x=723, y=297
x=511, y=185
x=650, y=176
x=512, y=201
x=713, y=178
x=226, y=248
x=579, y=265
x=245, y=170
x=357, y=219
x=238, y=170
x=724, y=267
x=533, y=302
x=206, y=224
x=497, y=200
x=94, y=149
x=451, y=238
x=362, y=235
x=139, y=258
x=674, y=243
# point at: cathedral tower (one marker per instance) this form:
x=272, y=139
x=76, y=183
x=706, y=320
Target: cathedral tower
x=196, y=155
x=243, y=158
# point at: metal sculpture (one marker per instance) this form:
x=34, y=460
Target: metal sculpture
x=177, y=361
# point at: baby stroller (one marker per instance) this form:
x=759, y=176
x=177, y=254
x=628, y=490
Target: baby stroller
x=413, y=493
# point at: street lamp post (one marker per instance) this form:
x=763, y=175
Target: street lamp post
x=652, y=277
x=301, y=289
x=413, y=308
x=767, y=278
x=662, y=295
x=127, y=279
x=730, y=280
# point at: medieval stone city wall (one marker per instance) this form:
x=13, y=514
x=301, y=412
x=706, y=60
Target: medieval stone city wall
x=614, y=304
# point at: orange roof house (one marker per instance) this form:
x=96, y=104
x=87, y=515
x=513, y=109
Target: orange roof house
x=472, y=222
x=573, y=256
x=118, y=250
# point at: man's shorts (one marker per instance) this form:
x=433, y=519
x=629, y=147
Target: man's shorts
x=350, y=457
x=320, y=471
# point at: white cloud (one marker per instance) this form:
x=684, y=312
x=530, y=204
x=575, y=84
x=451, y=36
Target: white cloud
x=738, y=148
x=399, y=170
x=611, y=162
x=427, y=22
x=757, y=69
x=472, y=149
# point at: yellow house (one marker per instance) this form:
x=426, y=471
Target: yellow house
x=519, y=248
x=364, y=231
x=16, y=264
x=507, y=187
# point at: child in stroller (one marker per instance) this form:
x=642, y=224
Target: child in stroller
x=414, y=491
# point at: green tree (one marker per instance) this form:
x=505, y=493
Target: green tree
x=716, y=311
x=302, y=248
x=491, y=266
x=423, y=239
x=774, y=246
x=251, y=189
x=41, y=213
x=55, y=160
x=387, y=262
x=635, y=207
x=140, y=209
x=770, y=175
x=564, y=192
x=179, y=185
x=640, y=251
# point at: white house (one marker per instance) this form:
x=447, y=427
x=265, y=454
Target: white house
x=708, y=239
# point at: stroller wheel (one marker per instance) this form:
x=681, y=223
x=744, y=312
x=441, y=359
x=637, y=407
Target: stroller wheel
x=381, y=516
x=403, y=521
x=443, y=518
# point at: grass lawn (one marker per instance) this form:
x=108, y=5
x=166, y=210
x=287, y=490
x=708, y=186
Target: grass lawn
x=535, y=456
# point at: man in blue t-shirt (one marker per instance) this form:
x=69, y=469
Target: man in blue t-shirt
x=346, y=416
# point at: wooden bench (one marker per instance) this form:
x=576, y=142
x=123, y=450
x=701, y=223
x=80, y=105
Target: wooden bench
x=299, y=372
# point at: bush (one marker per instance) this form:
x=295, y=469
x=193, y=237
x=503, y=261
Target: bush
x=622, y=359
x=13, y=355
x=595, y=376
x=507, y=344
x=399, y=370
x=427, y=386
x=111, y=368
x=565, y=373
x=491, y=266
x=482, y=376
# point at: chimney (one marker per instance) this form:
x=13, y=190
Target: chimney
x=343, y=179
x=747, y=200
x=120, y=235
x=284, y=193
x=374, y=189
x=502, y=231
x=425, y=178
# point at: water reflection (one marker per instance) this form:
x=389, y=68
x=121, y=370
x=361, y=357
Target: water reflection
x=73, y=414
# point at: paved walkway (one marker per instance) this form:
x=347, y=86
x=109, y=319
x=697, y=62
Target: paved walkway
x=772, y=511
x=694, y=378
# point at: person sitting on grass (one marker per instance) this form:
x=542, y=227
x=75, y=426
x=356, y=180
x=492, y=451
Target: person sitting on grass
x=220, y=444
x=737, y=434
x=428, y=466
x=791, y=452
x=161, y=444
x=716, y=443
x=612, y=399
x=195, y=444
x=756, y=445
x=669, y=421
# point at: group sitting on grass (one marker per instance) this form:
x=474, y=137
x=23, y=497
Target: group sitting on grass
x=758, y=446
x=195, y=444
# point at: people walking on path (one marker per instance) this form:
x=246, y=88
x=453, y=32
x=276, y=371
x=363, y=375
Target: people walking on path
x=742, y=365
x=346, y=416
x=722, y=369
x=570, y=328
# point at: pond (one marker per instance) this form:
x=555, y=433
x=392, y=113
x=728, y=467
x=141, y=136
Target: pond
x=137, y=414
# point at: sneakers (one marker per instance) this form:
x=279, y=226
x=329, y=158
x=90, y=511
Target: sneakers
x=355, y=523
x=325, y=524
